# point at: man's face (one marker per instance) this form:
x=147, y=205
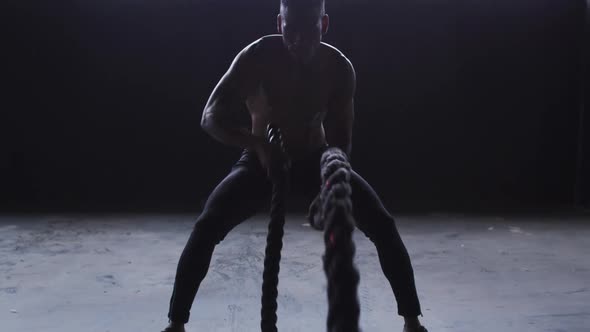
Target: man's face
x=302, y=30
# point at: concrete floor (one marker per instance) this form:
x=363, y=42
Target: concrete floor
x=116, y=272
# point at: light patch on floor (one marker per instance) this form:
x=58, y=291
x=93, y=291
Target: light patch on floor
x=115, y=273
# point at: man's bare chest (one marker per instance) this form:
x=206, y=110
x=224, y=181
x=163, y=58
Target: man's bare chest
x=296, y=98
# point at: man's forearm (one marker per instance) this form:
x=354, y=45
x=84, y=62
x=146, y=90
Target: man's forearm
x=239, y=137
x=347, y=149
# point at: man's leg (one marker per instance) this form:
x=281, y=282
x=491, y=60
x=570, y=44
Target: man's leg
x=378, y=225
x=236, y=198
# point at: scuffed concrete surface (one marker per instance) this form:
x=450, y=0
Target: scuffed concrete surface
x=116, y=272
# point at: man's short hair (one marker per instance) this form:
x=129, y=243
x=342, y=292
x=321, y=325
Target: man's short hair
x=321, y=4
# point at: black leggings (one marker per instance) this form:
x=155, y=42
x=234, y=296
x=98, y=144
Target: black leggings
x=242, y=194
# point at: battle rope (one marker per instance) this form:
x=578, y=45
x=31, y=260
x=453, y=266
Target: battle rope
x=274, y=240
x=333, y=213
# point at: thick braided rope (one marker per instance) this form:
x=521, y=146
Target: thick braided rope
x=272, y=259
x=338, y=260
x=274, y=244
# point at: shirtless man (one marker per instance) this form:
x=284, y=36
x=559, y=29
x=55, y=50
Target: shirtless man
x=306, y=88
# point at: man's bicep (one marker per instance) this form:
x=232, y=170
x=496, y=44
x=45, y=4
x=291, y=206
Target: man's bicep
x=340, y=116
x=224, y=99
x=226, y=102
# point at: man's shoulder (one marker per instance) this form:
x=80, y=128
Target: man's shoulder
x=262, y=45
x=340, y=61
x=332, y=50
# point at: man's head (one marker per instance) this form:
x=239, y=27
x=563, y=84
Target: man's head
x=302, y=24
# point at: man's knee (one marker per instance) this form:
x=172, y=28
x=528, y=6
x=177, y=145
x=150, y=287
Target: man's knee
x=377, y=228
x=211, y=227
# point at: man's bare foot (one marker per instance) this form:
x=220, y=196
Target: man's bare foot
x=174, y=327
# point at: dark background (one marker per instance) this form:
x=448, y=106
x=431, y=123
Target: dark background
x=461, y=105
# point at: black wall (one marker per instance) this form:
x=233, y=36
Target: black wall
x=583, y=197
x=460, y=104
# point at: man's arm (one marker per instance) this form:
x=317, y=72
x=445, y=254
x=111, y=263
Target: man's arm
x=222, y=111
x=340, y=115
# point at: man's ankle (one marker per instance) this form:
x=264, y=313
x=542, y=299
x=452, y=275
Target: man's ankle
x=412, y=321
x=175, y=324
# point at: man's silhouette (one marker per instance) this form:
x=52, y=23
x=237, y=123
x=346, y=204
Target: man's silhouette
x=306, y=88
